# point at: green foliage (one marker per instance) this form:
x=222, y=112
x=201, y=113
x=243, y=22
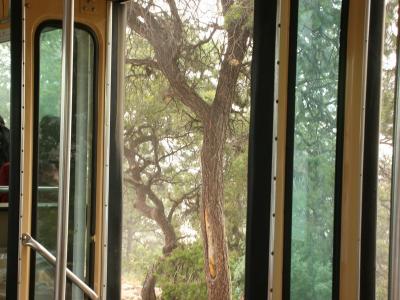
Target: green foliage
x=239, y=10
x=237, y=264
x=181, y=275
x=383, y=225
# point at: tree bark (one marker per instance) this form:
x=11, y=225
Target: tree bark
x=148, y=289
x=216, y=263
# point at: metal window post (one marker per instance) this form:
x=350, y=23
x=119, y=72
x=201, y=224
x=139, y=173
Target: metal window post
x=65, y=148
x=394, y=262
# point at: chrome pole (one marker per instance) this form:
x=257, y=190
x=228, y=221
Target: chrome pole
x=65, y=148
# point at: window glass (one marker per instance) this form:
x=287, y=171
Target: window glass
x=389, y=59
x=186, y=119
x=47, y=164
x=5, y=77
x=316, y=90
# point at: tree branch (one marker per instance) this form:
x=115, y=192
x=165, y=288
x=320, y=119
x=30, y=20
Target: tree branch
x=187, y=196
x=148, y=62
x=177, y=19
x=231, y=66
x=166, y=48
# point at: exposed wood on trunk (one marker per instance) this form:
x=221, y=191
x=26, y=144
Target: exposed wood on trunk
x=212, y=214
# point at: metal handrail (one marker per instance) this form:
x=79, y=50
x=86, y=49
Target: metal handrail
x=40, y=205
x=5, y=188
x=30, y=242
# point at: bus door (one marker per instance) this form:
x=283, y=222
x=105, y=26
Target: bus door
x=52, y=249
x=47, y=184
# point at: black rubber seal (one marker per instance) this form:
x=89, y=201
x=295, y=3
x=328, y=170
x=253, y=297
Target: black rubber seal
x=290, y=120
x=115, y=204
x=337, y=222
x=15, y=157
x=371, y=152
x=260, y=149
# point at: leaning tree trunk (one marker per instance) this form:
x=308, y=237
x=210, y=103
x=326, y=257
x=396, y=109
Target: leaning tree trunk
x=170, y=243
x=148, y=290
x=156, y=214
x=212, y=211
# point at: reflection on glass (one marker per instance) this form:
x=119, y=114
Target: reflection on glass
x=45, y=221
x=314, y=149
x=5, y=77
x=389, y=59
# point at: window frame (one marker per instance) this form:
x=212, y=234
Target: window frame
x=289, y=151
x=57, y=24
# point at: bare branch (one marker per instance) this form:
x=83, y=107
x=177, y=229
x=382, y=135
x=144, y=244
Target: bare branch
x=206, y=40
x=148, y=62
x=176, y=203
x=177, y=19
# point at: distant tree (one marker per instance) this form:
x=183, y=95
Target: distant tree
x=315, y=132
x=161, y=171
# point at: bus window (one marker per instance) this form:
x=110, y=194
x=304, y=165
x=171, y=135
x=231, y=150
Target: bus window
x=44, y=221
x=5, y=69
x=389, y=60
x=186, y=118
x=309, y=240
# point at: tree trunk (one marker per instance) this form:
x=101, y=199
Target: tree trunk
x=149, y=284
x=212, y=211
x=156, y=214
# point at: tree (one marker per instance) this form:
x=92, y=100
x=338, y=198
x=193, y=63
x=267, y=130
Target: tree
x=195, y=58
x=317, y=66
x=160, y=190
